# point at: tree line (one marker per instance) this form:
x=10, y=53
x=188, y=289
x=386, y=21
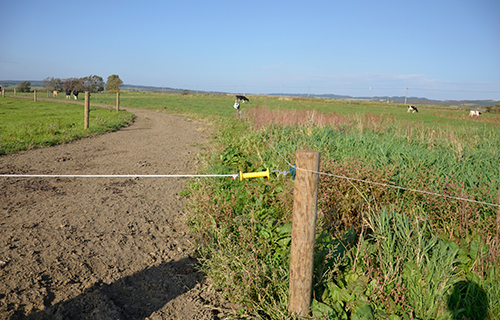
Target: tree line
x=92, y=83
x=493, y=109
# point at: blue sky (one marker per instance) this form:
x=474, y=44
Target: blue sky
x=437, y=49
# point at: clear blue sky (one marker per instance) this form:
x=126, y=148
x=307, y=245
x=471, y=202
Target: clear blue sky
x=437, y=49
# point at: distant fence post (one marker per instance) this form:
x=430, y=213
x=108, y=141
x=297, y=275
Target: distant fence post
x=34, y=95
x=87, y=110
x=3, y=92
x=14, y=92
x=47, y=93
x=305, y=196
x=118, y=101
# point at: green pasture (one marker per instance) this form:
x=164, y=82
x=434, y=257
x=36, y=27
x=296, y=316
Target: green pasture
x=222, y=105
x=25, y=124
x=381, y=253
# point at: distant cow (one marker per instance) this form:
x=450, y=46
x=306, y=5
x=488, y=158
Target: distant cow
x=413, y=109
x=75, y=94
x=55, y=93
x=242, y=98
x=473, y=113
x=68, y=94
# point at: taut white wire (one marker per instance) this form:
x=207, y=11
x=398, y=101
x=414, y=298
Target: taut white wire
x=234, y=176
x=378, y=183
x=402, y=188
x=291, y=165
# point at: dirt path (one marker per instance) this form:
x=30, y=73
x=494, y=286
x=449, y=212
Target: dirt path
x=102, y=248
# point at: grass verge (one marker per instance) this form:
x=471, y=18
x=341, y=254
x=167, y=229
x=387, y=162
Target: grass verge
x=25, y=124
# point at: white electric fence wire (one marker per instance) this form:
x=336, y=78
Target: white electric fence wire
x=234, y=176
x=402, y=188
x=379, y=183
x=291, y=165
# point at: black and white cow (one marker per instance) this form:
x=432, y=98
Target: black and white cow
x=473, y=113
x=75, y=94
x=413, y=109
x=242, y=98
x=68, y=94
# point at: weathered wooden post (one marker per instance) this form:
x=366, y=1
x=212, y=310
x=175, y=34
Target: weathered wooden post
x=14, y=92
x=34, y=95
x=87, y=110
x=3, y=92
x=303, y=231
x=118, y=101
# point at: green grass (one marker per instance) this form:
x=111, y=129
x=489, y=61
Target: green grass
x=381, y=253
x=25, y=124
x=222, y=106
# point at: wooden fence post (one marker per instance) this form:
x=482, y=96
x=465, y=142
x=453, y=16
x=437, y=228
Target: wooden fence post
x=305, y=196
x=14, y=92
x=34, y=95
x=87, y=110
x=118, y=101
x=3, y=92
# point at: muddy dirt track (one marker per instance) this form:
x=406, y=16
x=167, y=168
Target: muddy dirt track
x=103, y=248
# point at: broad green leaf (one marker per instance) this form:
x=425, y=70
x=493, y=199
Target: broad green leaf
x=364, y=313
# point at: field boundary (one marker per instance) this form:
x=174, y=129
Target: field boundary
x=379, y=183
x=65, y=101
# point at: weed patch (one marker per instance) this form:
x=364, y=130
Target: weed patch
x=381, y=253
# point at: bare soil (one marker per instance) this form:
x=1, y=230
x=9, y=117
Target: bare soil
x=103, y=248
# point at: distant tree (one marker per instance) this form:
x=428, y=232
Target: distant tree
x=78, y=85
x=73, y=84
x=493, y=109
x=52, y=83
x=67, y=84
x=114, y=83
x=93, y=83
x=24, y=86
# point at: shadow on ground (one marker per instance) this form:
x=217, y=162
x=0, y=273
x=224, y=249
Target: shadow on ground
x=468, y=301
x=132, y=297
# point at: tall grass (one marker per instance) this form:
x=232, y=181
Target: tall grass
x=385, y=151
x=380, y=252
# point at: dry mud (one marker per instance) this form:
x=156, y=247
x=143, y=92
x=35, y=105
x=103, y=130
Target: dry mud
x=103, y=248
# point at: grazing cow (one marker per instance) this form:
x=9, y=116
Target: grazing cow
x=55, y=93
x=68, y=94
x=413, y=109
x=473, y=113
x=75, y=94
x=242, y=98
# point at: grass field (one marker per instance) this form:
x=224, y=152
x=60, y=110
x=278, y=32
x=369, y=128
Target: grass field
x=221, y=106
x=25, y=124
x=381, y=253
